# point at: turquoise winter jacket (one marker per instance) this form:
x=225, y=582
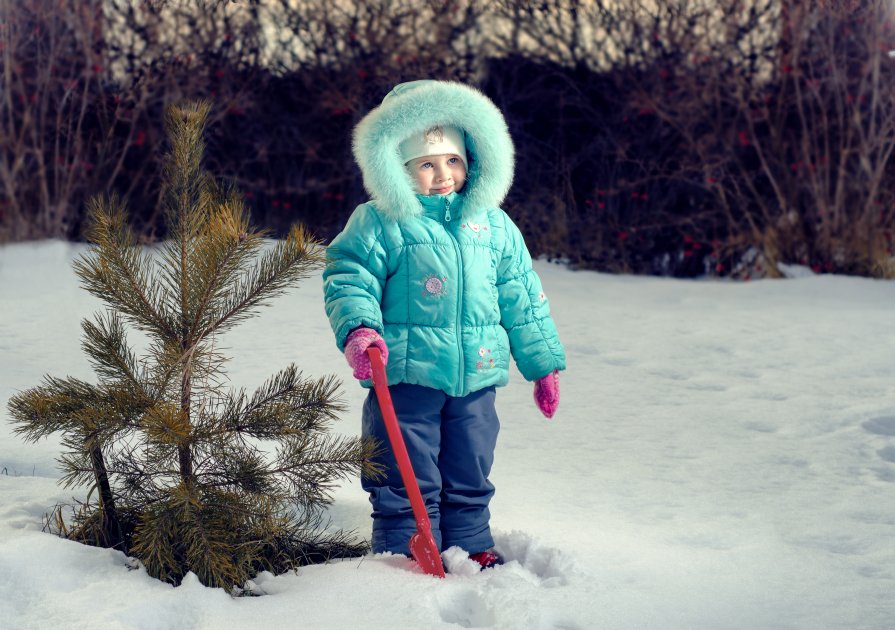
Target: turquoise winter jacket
x=446, y=280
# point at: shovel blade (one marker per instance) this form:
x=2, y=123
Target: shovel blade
x=425, y=552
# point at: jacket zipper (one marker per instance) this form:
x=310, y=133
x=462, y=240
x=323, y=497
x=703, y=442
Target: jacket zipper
x=447, y=220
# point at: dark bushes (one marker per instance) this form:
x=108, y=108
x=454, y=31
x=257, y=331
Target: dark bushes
x=666, y=139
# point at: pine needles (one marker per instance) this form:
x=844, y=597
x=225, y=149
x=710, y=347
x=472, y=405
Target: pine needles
x=186, y=475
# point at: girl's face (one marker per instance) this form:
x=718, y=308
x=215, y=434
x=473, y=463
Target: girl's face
x=437, y=174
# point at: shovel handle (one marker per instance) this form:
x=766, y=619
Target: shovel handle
x=380, y=385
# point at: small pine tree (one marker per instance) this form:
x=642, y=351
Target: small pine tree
x=188, y=475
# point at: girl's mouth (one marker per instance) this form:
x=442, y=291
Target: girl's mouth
x=442, y=191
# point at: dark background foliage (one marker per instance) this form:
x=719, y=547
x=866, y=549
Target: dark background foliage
x=671, y=137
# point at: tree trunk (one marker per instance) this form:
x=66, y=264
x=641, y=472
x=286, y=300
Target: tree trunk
x=183, y=451
x=112, y=531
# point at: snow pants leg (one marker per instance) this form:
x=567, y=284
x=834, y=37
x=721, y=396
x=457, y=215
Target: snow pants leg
x=451, y=443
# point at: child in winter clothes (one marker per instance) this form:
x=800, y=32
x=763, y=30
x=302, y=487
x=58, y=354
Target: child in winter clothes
x=433, y=273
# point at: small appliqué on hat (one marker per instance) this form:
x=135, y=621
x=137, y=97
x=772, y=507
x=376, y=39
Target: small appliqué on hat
x=434, y=135
x=435, y=285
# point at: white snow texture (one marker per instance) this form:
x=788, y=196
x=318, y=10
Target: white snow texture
x=723, y=457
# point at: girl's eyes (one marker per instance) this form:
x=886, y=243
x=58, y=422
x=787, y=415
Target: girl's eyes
x=450, y=161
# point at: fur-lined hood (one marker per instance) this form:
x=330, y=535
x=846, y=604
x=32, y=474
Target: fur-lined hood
x=415, y=106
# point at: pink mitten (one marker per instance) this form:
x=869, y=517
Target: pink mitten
x=356, y=351
x=547, y=393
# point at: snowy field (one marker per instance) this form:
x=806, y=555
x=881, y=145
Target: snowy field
x=723, y=457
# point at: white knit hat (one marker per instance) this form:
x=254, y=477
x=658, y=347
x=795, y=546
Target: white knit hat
x=436, y=140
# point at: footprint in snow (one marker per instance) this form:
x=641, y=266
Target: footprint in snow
x=884, y=425
x=547, y=565
x=467, y=609
x=550, y=565
x=524, y=559
x=759, y=426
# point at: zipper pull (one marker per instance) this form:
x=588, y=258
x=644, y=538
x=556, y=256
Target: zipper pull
x=447, y=210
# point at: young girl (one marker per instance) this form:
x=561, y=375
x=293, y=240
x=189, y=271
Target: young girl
x=433, y=273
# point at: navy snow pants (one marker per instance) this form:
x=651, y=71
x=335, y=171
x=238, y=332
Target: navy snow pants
x=451, y=445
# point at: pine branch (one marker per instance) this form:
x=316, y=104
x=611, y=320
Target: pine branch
x=315, y=403
x=87, y=414
x=285, y=405
x=74, y=407
x=244, y=471
x=166, y=423
x=152, y=542
x=311, y=463
x=209, y=552
x=42, y=411
x=305, y=540
x=209, y=532
x=132, y=476
x=186, y=202
x=289, y=261
x=118, y=273
x=223, y=249
x=166, y=360
x=186, y=194
x=105, y=343
x=77, y=469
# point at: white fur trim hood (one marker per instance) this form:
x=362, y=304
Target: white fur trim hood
x=416, y=106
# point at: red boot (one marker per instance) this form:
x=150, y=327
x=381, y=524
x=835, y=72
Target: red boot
x=487, y=559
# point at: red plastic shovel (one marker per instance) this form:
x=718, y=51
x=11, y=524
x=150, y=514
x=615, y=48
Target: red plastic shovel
x=422, y=543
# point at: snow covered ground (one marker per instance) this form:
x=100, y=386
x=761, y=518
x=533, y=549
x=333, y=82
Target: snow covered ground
x=723, y=457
